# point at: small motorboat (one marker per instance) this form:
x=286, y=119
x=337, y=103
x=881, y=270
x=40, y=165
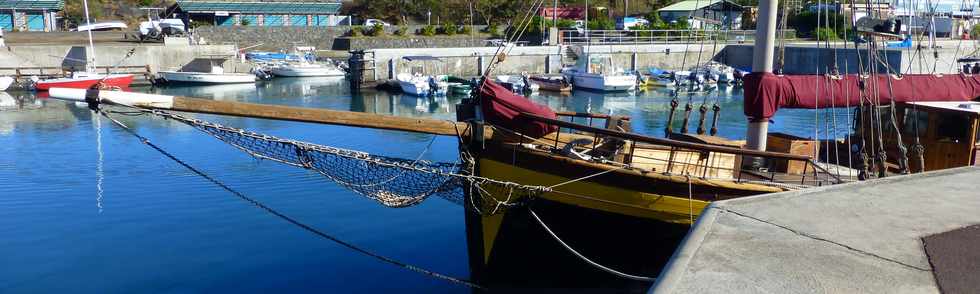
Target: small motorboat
x=417, y=83
x=459, y=86
x=422, y=85
x=305, y=69
x=552, y=83
x=216, y=75
x=303, y=63
x=596, y=72
x=518, y=84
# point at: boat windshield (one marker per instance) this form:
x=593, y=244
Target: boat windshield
x=601, y=65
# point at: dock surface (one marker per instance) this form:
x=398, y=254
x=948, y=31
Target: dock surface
x=864, y=237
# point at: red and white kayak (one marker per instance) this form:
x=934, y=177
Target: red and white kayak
x=85, y=81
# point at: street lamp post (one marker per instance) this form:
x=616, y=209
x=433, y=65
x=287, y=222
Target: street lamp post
x=428, y=15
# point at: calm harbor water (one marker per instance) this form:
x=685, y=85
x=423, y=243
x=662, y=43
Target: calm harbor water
x=85, y=207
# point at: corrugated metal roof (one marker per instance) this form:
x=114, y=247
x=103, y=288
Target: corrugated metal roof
x=261, y=7
x=689, y=5
x=33, y=4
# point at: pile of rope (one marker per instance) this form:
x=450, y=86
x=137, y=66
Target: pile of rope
x=393, y=182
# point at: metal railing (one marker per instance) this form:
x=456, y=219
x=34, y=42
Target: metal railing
x=628, y=37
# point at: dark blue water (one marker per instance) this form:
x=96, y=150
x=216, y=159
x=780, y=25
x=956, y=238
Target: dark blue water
x=126, y=219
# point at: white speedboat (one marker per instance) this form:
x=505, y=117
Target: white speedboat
x=216, y=75
x=596, y=72
x=422, y=85
x=306, y=69
x=416, y=85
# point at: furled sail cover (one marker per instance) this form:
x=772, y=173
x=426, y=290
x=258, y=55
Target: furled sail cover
x=765, y=93
x=502, y=107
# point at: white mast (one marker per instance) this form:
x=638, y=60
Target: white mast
x=90, y=61
x=765, y=38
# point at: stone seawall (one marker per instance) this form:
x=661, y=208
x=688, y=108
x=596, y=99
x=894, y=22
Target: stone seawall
x=366, y=43
x=284, y=38
x=157, y=57
x=272, y=38
x=529, y=59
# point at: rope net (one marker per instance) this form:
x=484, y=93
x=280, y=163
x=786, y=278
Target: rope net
x=393, y=182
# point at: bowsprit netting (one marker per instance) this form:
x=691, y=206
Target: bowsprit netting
x=393, y=182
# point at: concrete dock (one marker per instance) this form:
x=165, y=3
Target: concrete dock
x=865, y=237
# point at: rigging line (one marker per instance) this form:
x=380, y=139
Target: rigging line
x=586, y=259
x=286, y=218
x=494, y=59
x=587, y=177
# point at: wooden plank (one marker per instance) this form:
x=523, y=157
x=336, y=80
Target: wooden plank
x=319, y=115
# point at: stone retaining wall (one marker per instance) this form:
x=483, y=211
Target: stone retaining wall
x=281, y=38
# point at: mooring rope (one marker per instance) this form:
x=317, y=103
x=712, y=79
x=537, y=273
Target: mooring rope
x=288, y=219
x=586, y=259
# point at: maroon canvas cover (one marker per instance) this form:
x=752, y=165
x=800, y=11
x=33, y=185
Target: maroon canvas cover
x=765, y=93
x=502, y=107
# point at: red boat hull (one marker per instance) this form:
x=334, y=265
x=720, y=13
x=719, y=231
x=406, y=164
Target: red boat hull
x=121, y=81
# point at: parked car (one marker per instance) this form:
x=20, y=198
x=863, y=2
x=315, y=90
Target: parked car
x=371, y=22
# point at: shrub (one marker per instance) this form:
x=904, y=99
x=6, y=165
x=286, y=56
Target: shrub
x=466, y=30
x=355, y=31
x=975, y=31
x=377, y=30
x=428, y=30
x=565, y=23
x=492, y=28
x=402, y=31
x=602, y=24
x=826, y=34
x=450, y=29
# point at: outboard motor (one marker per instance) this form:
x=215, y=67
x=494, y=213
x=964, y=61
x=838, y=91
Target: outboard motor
x=262, y=74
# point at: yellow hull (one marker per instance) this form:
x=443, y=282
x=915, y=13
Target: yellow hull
x=587, y=195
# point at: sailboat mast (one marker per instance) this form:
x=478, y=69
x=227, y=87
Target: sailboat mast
x=765, y=39
x=90, y=63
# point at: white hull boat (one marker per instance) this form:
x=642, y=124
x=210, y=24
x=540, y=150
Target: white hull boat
x=206, y=77
x=596, y=72
x=413, y=85
x=216, y=76
x=306, y=70
x=610, y=83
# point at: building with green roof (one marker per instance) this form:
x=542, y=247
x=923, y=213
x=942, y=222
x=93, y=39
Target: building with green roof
x=258, y=13
x=721, y=14
x=30, y=15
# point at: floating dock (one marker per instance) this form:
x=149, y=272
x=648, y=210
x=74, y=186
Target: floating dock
x=905, y=234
